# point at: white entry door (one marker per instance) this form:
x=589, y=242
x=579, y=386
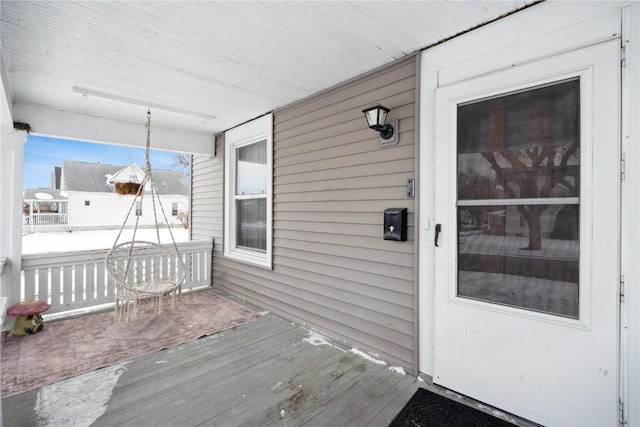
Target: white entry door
x=527, y=274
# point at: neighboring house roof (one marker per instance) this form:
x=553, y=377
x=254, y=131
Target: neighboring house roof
x=170, y=182
x=37, y=194
x=94, y=178
x=131, y=173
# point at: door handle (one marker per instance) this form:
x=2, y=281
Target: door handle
x=438, y=230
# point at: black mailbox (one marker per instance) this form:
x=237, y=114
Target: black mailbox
x=395, y=224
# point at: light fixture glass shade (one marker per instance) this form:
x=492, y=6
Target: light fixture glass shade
x=376, y=116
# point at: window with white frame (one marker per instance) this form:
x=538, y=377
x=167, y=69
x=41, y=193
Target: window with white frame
x=248, y=159
x=174, y=209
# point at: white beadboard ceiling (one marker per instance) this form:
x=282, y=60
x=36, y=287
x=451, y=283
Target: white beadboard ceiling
x=206, y=66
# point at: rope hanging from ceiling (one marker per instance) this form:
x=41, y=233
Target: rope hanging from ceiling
x=145, y=272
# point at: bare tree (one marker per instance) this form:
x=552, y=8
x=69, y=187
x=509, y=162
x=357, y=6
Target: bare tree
x=182, y=161
x=535, y=173
x=472, y=185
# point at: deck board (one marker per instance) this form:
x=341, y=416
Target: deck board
x=196, y=367
x=263, y=372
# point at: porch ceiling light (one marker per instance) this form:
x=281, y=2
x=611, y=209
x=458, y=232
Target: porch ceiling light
x=376, y=119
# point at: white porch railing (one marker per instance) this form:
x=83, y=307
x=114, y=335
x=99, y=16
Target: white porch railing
x=41, y=215
x=49, y=219
x=78, y=280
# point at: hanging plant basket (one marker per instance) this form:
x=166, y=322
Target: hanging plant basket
x=126, y=188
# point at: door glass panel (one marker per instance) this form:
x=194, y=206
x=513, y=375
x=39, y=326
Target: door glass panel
x=495, y=263
x=523, y=145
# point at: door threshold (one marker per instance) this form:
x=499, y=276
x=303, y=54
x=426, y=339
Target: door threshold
x=426, y=382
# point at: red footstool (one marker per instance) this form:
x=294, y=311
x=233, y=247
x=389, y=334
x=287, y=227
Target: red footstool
x=28, y=320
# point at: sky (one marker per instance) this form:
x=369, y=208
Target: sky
x=42, y=154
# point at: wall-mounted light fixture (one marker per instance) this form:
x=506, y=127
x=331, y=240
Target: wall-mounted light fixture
x=377, y=120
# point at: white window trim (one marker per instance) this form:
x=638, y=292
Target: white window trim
x=249, y=133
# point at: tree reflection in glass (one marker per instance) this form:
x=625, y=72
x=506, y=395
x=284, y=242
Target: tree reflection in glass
x=518, y=181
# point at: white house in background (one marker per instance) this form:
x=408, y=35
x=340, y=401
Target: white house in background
x=44, y=209
x=93, y=202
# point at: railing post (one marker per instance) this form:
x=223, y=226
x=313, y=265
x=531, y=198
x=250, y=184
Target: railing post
x=30, y=216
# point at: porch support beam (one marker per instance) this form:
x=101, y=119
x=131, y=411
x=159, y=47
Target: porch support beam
x=63, y=124
x=11, y=182
x=6, y=105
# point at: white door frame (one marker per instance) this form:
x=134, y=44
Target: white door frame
x=547, y=28
x=630, y=238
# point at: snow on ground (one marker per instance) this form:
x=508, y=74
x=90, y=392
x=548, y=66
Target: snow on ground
x=316, y=339
x=398, y=370
x=514, y=246
x=368, y=357
x=35, y=243
x=77, y=401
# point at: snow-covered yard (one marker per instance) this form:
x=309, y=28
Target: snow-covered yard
x=93, y=239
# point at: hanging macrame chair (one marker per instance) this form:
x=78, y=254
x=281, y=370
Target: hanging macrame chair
x=144, y=272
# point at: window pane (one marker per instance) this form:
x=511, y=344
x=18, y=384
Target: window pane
x=521, y=145
x=251, y=169
x=522, y=256
x=252, y=224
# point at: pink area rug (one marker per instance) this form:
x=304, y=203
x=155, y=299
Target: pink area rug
x=76, y=346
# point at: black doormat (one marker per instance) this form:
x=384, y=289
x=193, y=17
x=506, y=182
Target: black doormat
x=427, y=409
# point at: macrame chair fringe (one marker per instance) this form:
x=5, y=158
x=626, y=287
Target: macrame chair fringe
x=145, y=273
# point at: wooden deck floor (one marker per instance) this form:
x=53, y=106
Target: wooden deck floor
x=262, y=373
